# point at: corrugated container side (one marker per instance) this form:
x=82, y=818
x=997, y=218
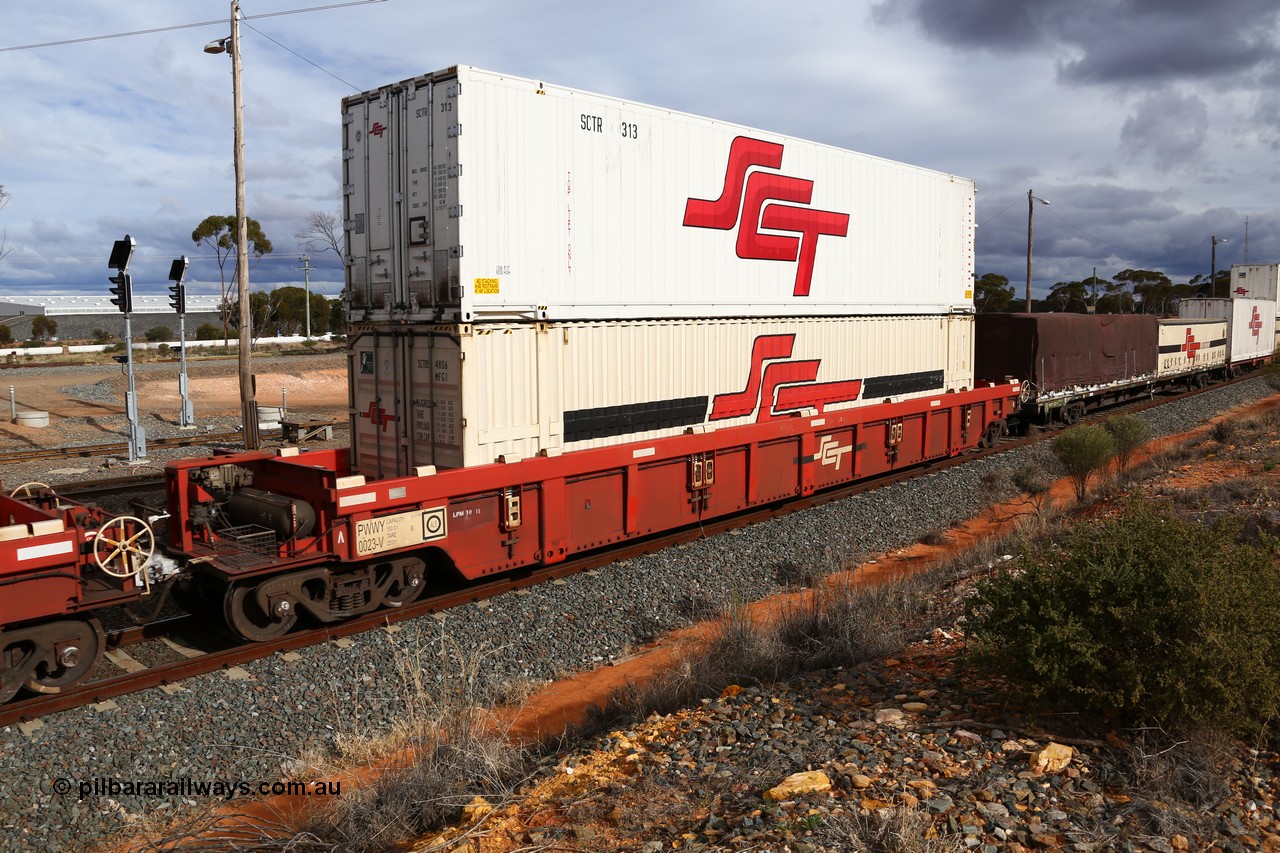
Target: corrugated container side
x=1251, y=323
x=458, y=395
x=473, y=196
x=1059, y=351
x=1191, y=345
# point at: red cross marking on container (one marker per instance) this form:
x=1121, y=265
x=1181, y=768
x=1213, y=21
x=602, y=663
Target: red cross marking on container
x=1191, y=346
x=378, y=416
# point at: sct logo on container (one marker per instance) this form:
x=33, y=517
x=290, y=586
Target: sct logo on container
x=747, y=201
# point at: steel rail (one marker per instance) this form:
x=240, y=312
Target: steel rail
x=118, y=447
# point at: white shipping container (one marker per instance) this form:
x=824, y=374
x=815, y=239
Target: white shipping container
x=472, y=196
x=1251, y=324
x=458, y=395
x=1255, y=281
x=1187, y=346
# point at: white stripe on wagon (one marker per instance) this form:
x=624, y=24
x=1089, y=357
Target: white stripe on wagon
x=35, y=552
x=356, y=500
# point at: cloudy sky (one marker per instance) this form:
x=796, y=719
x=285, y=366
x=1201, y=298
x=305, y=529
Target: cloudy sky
x=1150, y=125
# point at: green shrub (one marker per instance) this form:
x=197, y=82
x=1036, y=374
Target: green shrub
x=1128, y=432
x=6, y=334
x=1081, y=451
x=1034, y=481
x=208, y=332
x=1147, y=616
x=159, y=333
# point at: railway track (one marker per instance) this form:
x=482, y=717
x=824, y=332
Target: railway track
x=116, y=448
x=197, y=662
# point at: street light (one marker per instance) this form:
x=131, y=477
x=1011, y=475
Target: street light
x=1031, y=209
x=1213, y=264
x=248, y=407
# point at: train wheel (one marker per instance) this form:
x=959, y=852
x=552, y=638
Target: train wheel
x=70, y=649
x=17, y=659
x=991, y=436
x=247, y=620
x=406, y=588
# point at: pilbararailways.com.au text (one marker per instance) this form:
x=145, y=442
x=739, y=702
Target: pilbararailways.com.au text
x=227, y=789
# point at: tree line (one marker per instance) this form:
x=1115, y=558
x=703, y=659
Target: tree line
x=1127, y=292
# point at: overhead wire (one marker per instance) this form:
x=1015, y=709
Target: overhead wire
x=171, y=28
x=303, y=58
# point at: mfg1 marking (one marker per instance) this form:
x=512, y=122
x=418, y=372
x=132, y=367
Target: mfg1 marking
x=749, y=199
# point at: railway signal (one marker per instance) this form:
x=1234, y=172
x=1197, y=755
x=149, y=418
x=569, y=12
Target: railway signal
x=122, y=292
x=121, y=254
x=178, y=299
x=178, y=290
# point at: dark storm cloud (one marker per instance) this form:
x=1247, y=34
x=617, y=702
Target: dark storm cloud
x=1168, y=128
x=1110, y=41
x=1111, y=228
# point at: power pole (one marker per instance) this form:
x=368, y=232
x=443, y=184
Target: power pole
x=306, y=280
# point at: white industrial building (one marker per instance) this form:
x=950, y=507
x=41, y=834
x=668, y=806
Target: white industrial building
x=67, y=306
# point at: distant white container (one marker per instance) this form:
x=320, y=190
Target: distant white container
x=1190, y=346
x=472, y=196
x=1255, y=281
x=1251, y=324
x=460, y=395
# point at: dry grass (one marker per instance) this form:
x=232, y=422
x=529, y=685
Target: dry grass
x=896, y=830
x=837, y=624
x=446, y=749
x=1163, y=770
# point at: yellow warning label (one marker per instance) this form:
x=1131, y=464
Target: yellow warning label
x=968, y=294
x=486, y=285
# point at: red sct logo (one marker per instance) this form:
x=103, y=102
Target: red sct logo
x=752, y=199
x=778, y=385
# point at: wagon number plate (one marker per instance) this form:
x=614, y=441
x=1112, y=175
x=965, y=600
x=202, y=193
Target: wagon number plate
x=402, y=530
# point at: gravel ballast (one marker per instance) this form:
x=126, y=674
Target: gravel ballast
x=255, y=729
